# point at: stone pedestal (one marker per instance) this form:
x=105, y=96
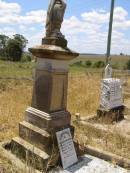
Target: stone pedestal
x=48, y=113
x=111, y=115
x=60, y=41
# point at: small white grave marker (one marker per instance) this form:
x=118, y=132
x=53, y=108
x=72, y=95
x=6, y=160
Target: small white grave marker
x=111, y=93
x=66, y=147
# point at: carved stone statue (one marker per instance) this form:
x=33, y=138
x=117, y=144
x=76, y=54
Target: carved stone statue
x=55, y=16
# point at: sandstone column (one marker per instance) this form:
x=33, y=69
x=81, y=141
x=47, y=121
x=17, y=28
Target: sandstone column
x=48, y=112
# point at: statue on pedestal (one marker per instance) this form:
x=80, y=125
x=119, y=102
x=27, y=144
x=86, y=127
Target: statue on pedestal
x=54, y=19
x=55, y=15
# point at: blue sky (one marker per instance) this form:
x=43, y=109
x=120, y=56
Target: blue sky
x=85, y=25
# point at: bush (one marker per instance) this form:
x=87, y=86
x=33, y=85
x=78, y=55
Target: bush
x=99, y=64
x=78, y=64
x=27, y=57
x=12, y=48
x=88, y=63
x=3, y=58
x=128, y=65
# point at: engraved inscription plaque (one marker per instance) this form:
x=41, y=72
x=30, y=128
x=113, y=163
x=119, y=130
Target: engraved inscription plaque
x=111, y=93
x=66, y=147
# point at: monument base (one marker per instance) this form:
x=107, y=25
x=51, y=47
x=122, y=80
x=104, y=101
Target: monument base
x=37, y=143
x=58, y=41
x=111, y=115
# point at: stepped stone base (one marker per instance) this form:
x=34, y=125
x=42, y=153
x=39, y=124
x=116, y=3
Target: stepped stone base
x=35, y=135
x=37, y=144
x=28, y=152
x=111, y=115
x=47, y=121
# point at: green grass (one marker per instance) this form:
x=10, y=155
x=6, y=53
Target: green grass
x=16, y=69
x=25, y=69
x=116, y=60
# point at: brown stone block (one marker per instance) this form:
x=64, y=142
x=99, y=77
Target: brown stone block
x=32, y=155
x=111, y=115
x=50, y=91
x=36, y=136
x=46, y=121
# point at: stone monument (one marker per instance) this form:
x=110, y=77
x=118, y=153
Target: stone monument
x=111, y=102
x=48, y=112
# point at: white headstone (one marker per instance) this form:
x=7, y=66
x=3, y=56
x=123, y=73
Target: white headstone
x=66, y=147
x=111, y=93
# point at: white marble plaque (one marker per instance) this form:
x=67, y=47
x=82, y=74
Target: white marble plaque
x=111, y=93
x=66, y=147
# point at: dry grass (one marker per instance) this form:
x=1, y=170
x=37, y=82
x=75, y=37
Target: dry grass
x=83, y=94
x=15, y=96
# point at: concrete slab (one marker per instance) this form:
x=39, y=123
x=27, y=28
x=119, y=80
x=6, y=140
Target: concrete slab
x=90, y=164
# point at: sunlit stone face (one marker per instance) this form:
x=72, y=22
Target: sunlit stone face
x=111, y=93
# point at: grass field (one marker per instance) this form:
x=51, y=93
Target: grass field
x=25, y=69
x=15, y=97
x=117, y=61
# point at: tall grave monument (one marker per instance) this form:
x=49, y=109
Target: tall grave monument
x=48, y=112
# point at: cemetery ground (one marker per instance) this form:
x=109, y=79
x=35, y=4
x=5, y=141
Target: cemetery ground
x=83, y=98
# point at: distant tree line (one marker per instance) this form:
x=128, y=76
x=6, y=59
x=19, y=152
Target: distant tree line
x=89, y=64
x=13, y=49
x=100, y=64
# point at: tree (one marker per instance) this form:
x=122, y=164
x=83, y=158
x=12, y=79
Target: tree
x=16, y=46
x=21, y=39
x=14, y=50
x=88, y=63
x=99, y=64
x=121, y=54
x=128, y=65
x=3, y=43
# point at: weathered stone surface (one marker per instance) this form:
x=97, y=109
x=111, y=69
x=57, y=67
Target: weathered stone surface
x=49, y=102
x=111, y=93
x=36, y=136
x=47, y=121
x=50, y=91
x=29, y=153
x=111, y=115
x=55, y=41
x=54, y=19
x=53, y=52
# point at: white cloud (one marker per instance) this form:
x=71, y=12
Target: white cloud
x=95, y=17
x=9, y=31
x=10, y=13
x=94, y=26
x=120, y=14
x=7, y=8
x=33, y=17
